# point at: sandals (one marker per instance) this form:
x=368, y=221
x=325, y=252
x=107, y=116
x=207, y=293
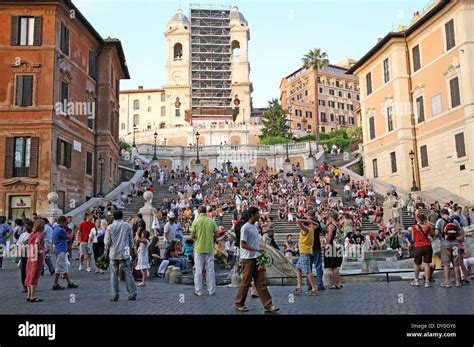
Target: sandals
x=272, y=309
x=298, y=291
x=241, y=308
x=312, y=293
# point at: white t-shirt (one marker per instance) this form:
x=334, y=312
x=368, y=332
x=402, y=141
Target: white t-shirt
x=249, y=234
x=170, y=231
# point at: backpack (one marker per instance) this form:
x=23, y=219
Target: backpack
x=451, y=230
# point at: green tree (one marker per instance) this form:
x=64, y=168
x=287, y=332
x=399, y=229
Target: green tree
x=315, y=59
x=274, y=120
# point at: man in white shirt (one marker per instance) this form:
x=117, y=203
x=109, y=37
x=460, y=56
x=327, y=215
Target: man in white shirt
x=249, y=251
x=170, y=229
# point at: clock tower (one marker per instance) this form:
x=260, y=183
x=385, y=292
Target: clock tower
x=178, y=88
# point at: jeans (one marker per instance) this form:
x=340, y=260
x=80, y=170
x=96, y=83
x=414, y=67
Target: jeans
x=206, y=260
x=182, y=263
x=317, y=259
x=114, y=277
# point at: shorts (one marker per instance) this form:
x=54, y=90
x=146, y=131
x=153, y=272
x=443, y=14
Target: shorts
x=411, y=209
x=450, y=254
x=304, y=264
x=62, y=264
x=423, y=255
x=84, y=249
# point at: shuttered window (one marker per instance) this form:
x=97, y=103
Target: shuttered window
x=372, y=127
x=21, y=157
x=416, y=58
x=393, y=161
x=26, y=31
x=389, y=118
x=64, y=96
x=368, y=82
x=420, y=109
x=63, y=153
x=64, y=39
x=24, y=90
x=450, y=37
x=375, y=168
x=93, y=65
x=424, y=156
x=460, y=145
x=454, y=89
x=89, y=163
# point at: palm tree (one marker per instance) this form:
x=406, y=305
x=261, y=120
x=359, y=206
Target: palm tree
x=315, y=59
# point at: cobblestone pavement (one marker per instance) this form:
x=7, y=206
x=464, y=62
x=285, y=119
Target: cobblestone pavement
x=93, y=297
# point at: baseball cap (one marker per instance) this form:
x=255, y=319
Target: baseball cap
x=171, y=215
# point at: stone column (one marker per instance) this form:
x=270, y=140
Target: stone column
x=147, y=210
x=52, y=211
x=197, y=168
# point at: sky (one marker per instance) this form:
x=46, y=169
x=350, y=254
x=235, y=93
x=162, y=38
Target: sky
x=281, y=32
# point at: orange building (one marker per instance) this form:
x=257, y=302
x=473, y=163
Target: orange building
x=418, y=95
x=59, y=108
x=338, y=98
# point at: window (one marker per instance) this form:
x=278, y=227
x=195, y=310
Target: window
x=235, y=47
x=331, y=103
x=90, y=114
x=163, y=111
x=454, y=88
x=340, y=94
x=64, y=96
x=338, y=84
x=93, y=65
x=110, y=167
x=321, y=90
x=393, y=161
x=342, y=120
x=26, y=31
x=323, y=117
x=416, y=58
x=163, y=97
x=450, y=37
x=178, y=112
x=24, y=90
x=136, y=104
x=331, y=116
x=357, y=97
x=298, y=113
x=89, y=163
x=64, y=152
x=117, y=88
x=331, y=92
x=372, y=127
x=178, y=51
x=21, y=157
x=305, y=93
x=148, y=126
x=350, y=107
x=323, y=129
x=309, y=114
x=322, y=102
x=368, y=83
x=436, y=105
x=424, y=156
x=149, y=109
x=340, y=105
x=386, y=71
x=420, y=109
x=123, y=126
x=349, y=96
x=351, y=120
x=64, y=39
x=389, y=118
x=460, y=146
x=375, y=168
x=136, y=119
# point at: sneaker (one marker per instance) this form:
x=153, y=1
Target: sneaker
x=72, y=286
x=458, y=285
x=415, y=283
x=445, y=284
x=132, y=298
x=58, y=287
x=197, y=294
x=88, y=269
x=115, y=298
x=80, y=267
x=271, y=309
x=241, y=308
x=427, y=284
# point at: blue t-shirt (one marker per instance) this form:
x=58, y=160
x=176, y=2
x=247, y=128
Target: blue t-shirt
x=188, y=249
x=60, y=240
x=5, y=230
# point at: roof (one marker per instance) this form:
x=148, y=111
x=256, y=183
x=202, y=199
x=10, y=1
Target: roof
x=138, y=91
x=401, y=34
x=179, y=16
x=121, y=54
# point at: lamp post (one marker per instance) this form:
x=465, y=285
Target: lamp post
x=134, y=130
x=310, y=149
x=101, y=163
x=198, y=162
x=165, y=140
x=414, y=188
x=155, y=135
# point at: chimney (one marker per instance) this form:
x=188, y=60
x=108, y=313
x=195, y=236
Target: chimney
x=140, y=87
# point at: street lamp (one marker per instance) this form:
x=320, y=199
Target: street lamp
x=198, y=162
x=101, y=163
x=310, y=150
x=155, y=135
x=134, y=130
x=414, y=188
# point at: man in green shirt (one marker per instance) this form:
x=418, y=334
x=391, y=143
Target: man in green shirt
x=410, y=205
x=203, y=231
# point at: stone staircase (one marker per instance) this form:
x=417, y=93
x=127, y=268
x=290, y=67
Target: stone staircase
x=408, y=221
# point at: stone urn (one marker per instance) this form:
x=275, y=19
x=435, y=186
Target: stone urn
x=167, y=274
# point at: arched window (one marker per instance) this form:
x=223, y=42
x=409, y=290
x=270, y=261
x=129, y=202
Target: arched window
x=123, y=126
x=178, y=51
x=235, y=48
x=136, y=119
x=136, y=104
x=162, y=125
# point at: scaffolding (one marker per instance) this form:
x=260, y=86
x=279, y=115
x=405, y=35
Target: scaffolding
x=211, y=74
